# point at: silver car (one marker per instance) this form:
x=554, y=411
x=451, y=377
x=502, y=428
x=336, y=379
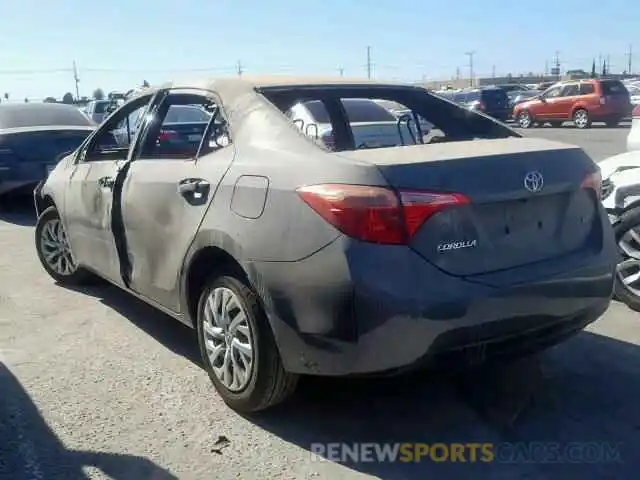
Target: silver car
x=289, y=258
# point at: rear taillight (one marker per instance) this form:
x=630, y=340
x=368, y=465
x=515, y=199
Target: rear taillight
x=636, y=111
x=593, y=181
x=167, y=135
x=377, y=214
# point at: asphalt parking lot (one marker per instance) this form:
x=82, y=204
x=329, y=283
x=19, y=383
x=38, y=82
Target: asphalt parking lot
x=94, y=384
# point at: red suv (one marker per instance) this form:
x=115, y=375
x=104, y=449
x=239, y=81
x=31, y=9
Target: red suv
x=582, y=101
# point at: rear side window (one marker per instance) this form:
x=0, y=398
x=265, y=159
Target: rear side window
x=586, y=89
x=100, y=107
x=613, y=87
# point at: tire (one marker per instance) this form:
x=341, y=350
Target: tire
x=76, y=275
x=267, y=383
x=525, y=120
x=627, y=221
x=581, y=119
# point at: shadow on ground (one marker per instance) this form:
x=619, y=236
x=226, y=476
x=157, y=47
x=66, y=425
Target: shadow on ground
x=30, y=449
x=18, y=210
x=583, y=391
x=175, y=336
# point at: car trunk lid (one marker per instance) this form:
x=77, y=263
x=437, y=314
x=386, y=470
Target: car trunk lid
x=505, y=225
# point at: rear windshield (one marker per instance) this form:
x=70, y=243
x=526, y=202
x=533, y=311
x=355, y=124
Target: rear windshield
x=613, y=87
x=100, y=107
x=494, y=95
x=425, y=119
x=40, y=115
x=186, y=114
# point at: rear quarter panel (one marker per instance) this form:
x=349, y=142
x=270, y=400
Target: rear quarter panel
x=287, y=229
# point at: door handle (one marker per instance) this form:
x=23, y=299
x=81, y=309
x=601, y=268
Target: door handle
x=106, y=182
x=192, y=185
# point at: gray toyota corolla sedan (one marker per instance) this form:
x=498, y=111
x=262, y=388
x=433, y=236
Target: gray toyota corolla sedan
x=292, y=255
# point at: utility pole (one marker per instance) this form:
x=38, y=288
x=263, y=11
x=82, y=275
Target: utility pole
x=457, y=73
x=76, y=79
x=608, y=64
x=557, y=64
x=470, y=55
x=493, y=72
x=240, y=71
x=630, y=59
x=546, y=68
x=369, y=62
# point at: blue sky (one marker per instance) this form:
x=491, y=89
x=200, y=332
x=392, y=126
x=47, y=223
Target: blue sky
x=118, y=44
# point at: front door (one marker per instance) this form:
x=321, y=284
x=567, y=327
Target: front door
x=89, y=199
x=168, y=186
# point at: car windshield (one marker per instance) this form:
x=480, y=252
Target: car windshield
x=39, y=115
x=186, y=114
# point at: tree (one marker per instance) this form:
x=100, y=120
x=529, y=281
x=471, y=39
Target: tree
x=67, y=98
x=604, y=68
x=50, y=100
x=593, y=69
x=26, y=100
x=98, y=94
x=145, y=84
x=6, y=96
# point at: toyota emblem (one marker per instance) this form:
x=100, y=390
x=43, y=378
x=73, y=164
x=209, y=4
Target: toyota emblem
x=533, y=181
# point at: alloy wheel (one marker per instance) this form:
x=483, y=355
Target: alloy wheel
x=524, y=120
x=628, y=271
x=55, y=248
x=581, y=119
x=228, y=339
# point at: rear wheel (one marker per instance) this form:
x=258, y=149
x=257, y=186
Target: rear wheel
x=627, y=233
x=525, y=120
x=238, y=348
x=55, y=252
x=581, y=118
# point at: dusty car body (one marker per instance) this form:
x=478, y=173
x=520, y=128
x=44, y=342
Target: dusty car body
x=290, y=258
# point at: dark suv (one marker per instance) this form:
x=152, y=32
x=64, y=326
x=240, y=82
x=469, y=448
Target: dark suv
x=490, y=100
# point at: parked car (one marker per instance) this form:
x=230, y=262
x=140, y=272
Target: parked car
x=582, y=101
x=97, y=110
x=32, y=137
x=633, y=139
x=372, y=124
x=289, y=258
x=491, y=101
x=183, y=125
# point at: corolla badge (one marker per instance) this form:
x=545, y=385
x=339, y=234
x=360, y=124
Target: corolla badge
x=533, y=181
x=445, y=247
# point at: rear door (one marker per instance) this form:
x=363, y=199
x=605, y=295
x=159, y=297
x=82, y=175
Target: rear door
x=89, y=195
x=165, y=194
x=563, y=105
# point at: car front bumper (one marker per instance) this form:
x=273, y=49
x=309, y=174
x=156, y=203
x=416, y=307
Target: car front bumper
x=355, y=308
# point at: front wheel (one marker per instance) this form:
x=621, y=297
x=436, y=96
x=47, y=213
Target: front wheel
x=627, y=234
x=238, y=349
x=54, y=250
x=581, y=118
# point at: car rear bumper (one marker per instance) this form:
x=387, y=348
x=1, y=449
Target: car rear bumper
x=354, y=308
